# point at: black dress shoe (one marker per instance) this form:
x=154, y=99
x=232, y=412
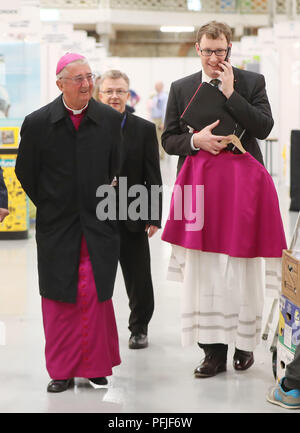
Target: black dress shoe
x=60, y=385
x=99, y=380
x=242, y=360
x=138, y=341
x=211, y=366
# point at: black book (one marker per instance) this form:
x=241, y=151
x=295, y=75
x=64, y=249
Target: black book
x=205, y=107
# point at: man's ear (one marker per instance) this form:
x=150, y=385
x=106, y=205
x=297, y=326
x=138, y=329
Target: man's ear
x=59, y=85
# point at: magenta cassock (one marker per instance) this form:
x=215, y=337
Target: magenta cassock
x=237, y=207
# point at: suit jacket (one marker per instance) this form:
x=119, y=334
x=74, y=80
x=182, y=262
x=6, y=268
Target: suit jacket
x=248, y=104
x=3, y=192
x=60, y=169
x=140, y=165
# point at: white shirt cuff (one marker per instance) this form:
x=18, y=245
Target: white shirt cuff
x=192, y=144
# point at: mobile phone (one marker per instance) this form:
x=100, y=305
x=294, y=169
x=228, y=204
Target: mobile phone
x=228, y=54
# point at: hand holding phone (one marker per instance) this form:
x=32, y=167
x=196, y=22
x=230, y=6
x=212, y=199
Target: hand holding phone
x=226, y=75
x=228, y=54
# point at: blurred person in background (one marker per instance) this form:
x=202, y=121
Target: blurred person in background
x=132, y=101
x=158, y=111
x=4, y=103
x=96, y=88
x=3, y=198
x=286, y=393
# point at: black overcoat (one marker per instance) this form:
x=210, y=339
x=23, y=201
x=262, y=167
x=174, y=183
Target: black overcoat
x=248, y=104
x=60, y=169
x=140, y=164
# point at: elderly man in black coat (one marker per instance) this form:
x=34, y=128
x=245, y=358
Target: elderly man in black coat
x=3, y=198
x=68, y=149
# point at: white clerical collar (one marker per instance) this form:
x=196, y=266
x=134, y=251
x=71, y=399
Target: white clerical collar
x=75, y=111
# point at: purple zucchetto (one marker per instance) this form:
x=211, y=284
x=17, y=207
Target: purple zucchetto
x=66, y=59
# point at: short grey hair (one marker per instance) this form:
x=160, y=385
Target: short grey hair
x=114, y=74
x=80, y=61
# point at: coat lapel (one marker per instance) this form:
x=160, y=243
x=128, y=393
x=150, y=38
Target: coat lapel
x=92, y=112
x=58, y=112
x=196, y=80
x=236, y=82
x=129, y=142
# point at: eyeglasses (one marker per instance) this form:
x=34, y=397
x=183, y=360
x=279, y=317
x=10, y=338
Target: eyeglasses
x=219, y=53
x=79, y=79
x=117, y=92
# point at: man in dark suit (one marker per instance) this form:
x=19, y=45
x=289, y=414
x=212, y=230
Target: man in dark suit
x=248, y=104
x=3, y=198
x=245, y=91
x=140, y=166
x=68, y=149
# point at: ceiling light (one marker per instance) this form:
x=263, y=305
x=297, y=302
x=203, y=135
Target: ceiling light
x=194, y=5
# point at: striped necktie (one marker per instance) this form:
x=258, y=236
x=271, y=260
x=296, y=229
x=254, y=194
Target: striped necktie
x=215, y=82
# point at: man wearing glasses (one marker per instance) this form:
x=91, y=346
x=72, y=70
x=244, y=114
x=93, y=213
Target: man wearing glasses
x=68, y=149
x=140, y=167
x=246, y=101
x=245, y=91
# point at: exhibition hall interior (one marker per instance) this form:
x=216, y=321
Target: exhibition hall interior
x=152, y=41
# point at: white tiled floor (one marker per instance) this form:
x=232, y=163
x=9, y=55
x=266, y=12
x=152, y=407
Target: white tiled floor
x=158, y=379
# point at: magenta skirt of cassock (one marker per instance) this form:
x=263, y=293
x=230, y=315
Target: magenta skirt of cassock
x=81, y=338
x=239, y=215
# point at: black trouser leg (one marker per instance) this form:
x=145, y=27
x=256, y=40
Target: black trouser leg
x=218, y=350
x=135, y=265
x=292, y=373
